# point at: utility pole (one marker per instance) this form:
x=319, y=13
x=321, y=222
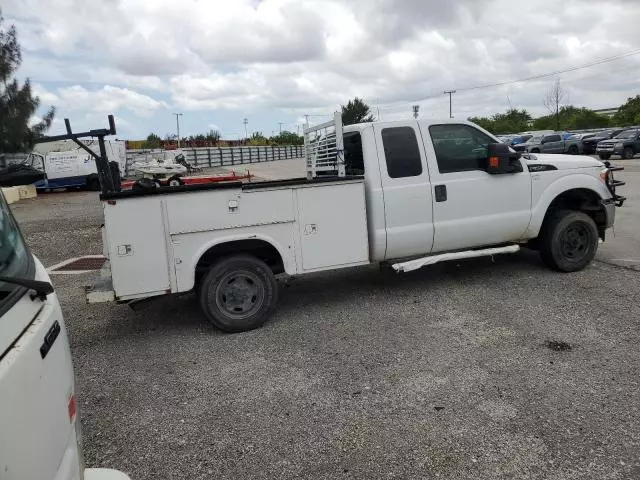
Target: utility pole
x=178, y=115
x=416, y=109
x=306, y=119
x=450, y=92
x=246, y=135
x=280, y=124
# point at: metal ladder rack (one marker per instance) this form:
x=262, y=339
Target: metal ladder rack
x=324, y=148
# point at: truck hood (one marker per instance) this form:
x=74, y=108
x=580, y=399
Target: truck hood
x=562, y=162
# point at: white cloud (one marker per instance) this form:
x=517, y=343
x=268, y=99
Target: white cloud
x=308, y=56
x=108, y=99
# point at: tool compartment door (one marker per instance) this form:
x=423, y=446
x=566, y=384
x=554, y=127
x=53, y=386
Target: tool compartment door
x=332, y=225
x=137, y=245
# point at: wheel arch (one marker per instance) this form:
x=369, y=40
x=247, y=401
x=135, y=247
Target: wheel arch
x=261, y=246
x=582, y=199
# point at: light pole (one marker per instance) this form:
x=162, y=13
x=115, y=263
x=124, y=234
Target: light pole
x=450, y=92
x=416, y=109
x=280, y=124
x=246, y=135
x=178, y=115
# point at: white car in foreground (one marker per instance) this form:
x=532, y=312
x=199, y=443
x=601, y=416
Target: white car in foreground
x=39, y=422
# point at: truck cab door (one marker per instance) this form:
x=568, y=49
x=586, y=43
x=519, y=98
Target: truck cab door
x=473, y=208
x=406, y=189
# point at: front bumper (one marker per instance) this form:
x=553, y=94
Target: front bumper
x=609, y=150
x=610, y=212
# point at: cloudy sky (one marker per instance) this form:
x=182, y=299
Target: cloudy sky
x=270, y=61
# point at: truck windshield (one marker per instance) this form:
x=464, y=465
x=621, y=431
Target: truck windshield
x=14, y=257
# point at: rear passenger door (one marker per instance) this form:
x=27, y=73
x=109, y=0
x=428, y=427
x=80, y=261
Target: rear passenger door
x=406, y=189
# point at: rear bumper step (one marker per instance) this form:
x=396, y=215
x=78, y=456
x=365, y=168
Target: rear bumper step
x=101, y=290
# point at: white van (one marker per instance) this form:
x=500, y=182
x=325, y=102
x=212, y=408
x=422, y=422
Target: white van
x=67, y=165
x=39, y=420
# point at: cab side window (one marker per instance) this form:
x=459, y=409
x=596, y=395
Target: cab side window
x=353, y=156
x=459, y=147
x=401, y=152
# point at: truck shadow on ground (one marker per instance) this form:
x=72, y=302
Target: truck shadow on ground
x=336, y=288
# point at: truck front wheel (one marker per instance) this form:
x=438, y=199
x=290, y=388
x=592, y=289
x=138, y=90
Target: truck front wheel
x=568, y=241
x=239, y=293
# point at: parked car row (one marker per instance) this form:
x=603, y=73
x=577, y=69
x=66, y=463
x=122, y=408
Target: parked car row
x=604, y=143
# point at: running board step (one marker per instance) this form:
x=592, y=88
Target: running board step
x=412, y=265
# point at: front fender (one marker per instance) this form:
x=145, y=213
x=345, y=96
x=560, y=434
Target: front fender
x=557, y=187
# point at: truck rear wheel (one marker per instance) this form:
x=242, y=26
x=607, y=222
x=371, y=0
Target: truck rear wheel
x=568, y=241
x=238, y=294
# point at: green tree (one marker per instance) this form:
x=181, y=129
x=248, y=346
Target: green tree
x=552, y=100
x=17, y=104
x=153, y=141
x=213, y=136
x=628, y=113
x=287, y=138
x=356, y=111
x=512, y=121
x=257, y=138
x=571, y=118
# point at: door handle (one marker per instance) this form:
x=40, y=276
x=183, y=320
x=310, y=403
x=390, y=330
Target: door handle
x=441, y=193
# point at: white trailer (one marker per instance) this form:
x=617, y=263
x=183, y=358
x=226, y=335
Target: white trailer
x=408, y=193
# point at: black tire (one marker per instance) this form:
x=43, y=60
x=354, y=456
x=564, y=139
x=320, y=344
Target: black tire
x=93, y=184
x=627, y=153
x=238, y=293
x=568, y=241
x=175, y=181
x=604, y=156
x=535, y=150
x=143, y=184
x=157, y=183
x=573, y=150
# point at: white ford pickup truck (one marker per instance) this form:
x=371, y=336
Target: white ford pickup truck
x=408, y=193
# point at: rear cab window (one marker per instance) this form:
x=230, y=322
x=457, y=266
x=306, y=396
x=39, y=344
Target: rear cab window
x=353, y=155
x=401, y=152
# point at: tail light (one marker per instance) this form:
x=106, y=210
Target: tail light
x=72, y=407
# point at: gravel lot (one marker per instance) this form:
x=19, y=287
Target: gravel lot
x=441, y=373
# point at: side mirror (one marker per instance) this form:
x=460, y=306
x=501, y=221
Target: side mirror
x=502, y=160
